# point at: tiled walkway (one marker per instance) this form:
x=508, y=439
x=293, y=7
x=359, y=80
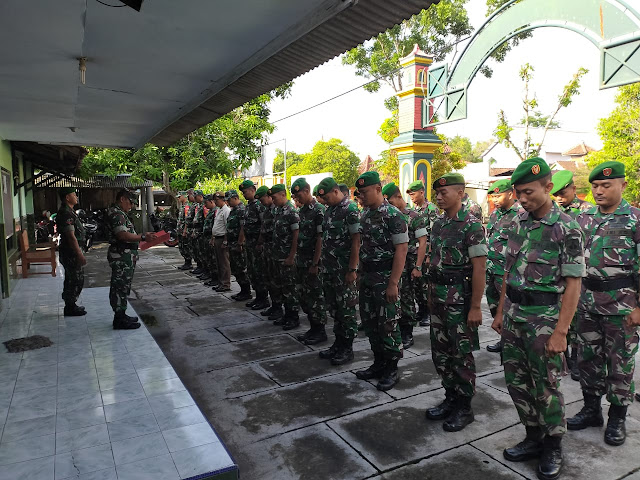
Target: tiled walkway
x=99, y=404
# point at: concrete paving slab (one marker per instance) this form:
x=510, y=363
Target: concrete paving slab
x=187, y=340
x=295, y=455
x=262, y=329
x=224, y=317
x=377, y=431
x=232, y=382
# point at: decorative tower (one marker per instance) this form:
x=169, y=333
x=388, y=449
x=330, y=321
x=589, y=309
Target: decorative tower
x=416, y=142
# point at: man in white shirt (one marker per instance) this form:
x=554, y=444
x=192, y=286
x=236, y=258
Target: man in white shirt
x=218, y=233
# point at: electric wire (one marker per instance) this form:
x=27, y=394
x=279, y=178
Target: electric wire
x=112, y=6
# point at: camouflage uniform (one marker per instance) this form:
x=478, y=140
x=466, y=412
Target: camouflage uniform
x=501, y=222
x=237, y=257
x=122, y=257
x=68, y=221
x=608, y=346
x=382, y=229
x=417, y=228
x=268, y=259
x=540, y=254
x=255, y=260
x=208, y=252
x=472, y=206
x=340, y=222
x=421, y=292
x=188, y=223
x=310, y=286
x=183, y=242
x=286, y=221
x=454, y=242
x=198, y=223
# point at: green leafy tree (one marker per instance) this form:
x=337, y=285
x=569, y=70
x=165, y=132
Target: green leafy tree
x=388, y=167
x=620, y=133
x=221, y=148
x=462, y=146
x=330, y=156
x=278, y=161
x=479, y=148
x=532, y=117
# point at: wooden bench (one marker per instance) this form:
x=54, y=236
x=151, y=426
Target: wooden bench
x=40, y=254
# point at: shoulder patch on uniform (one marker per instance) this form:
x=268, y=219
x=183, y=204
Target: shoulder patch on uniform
x=573, y=246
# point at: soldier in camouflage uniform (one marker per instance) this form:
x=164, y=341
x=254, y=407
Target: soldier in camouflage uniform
x=430, y=212
x=501, y=222
x=457, y=277
x=340, y=252
x=122, y=256
x=286, y=226
x=235, y=239
x=265, y=248
x=196, y=236
x=564, y=192
x=188, y=226
x=208, y=250
x=416, y=252
x=472, y=206
x=71, y=257
x=608, y=313
x=308, y=254
x=183, y=206
x=255, y=259
x=382, y=260
x=545, y=263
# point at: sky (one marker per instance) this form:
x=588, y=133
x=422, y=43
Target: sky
x=555, y=54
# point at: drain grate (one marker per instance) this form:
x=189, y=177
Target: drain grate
x=27, y=343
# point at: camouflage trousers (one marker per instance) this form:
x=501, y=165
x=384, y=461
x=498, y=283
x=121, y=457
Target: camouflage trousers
x=209, y=255
x=533, y=378
x=73, y=278
x=238, y=263
x=185, y=248
x=606, y=356
x=421, y=292
x=256, y=268
x=311, y=295
x=452, y=344
x=122, y=268
x=494, y=288
x=380, y=318
x=270, y=265
x=195, y=249
x=284, y=281
x=341, y=300
x=408, y=295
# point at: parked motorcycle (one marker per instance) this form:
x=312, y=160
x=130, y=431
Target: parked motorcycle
x=169, y=225
x=45, y=230
x=90, y=229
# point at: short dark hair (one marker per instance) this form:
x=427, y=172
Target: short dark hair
x=544, y=181
x=124, y=193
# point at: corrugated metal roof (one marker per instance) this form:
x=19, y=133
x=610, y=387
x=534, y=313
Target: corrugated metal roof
x=98, y=181
x=351, y=27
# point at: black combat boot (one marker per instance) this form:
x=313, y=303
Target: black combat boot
x=303, y=336
x=424, y=316
x=616, y=433
x=461, y=416
x=186, y=266
x=277, y=315
x=130, y=318
x=261, y=302
x=245, y=293
x=317, y=335
x=330, y=352
x=389, y=376
x=205, y=275
x=291, y=320
x=268, y=311
x=375, y=370
x=121, y=322
x=575, y=371
x=211, y=283
x=344, y=353
x=444, y=409
x=589, y=416
x=196, y=271
x=551, y=459
x=73, y=310
x=495, y=348
x=406, y=332
x=250, y=303
x=529, y=448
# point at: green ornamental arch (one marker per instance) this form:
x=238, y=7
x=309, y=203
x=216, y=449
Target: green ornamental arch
x=613, y=26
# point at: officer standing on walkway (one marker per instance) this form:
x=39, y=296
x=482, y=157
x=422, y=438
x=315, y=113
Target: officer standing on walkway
x=236, y=243
x=198, y=224
x=188, y=226
x=183, y=206
x=608, y=313
x=72, y=235
x=545, y=263
x=264, y=248
x=208, y=249
x=122, y=256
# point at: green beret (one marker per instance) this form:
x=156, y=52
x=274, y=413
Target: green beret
x=230, y=194
x=607, y=170
x=326, y=185
x=390, y=189
x=415, y=186
x=208, y=197
x=500, y=186
x=262, y=191
x=561, y=180
x=198, y=192
x=64, y=191
x=529, y=171
x=367, y=179
x=278, y=187
x=448, y=179
x=298, y=185
x=246, y=184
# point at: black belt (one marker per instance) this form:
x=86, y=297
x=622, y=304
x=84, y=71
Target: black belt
x=446, y=277
x=372, y=267
x=219, y=236
x=532, y=299
x=601, y=285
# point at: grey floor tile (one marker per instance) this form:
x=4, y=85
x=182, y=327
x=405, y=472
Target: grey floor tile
x=155, y=374
x=161, y=467
x=74, y=402
x=35, y=469
x=83, y=461
x=34, y=427
x=163, y=386
x=200, y=460
x=170, y=401
x=179, y=417
x=139, y=448
x=132, y=427
x=81, y=438
x=27, y=449
x=122, y=393
x=189, y=436
x=79, y=418
x=130, y=408
x=106, y=474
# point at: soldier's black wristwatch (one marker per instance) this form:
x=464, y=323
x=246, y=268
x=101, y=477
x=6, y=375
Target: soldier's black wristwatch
x=143, y=237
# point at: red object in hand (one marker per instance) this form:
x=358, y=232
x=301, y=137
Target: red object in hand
x=161, y=237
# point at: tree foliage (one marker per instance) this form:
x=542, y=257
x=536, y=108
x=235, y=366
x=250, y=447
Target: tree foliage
x=292, y=159
x=620, y=133
x=221, y=148
x=533, y=117
x=330, y=156
x=388, y=167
